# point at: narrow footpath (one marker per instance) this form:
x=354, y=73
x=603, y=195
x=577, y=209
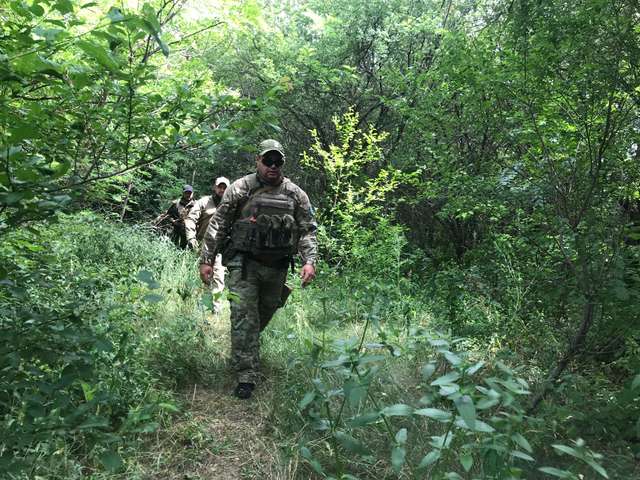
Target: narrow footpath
x=218, y=436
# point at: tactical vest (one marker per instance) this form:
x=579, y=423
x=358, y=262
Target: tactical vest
x=266, y=229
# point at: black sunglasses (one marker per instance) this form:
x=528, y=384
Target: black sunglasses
x=271, y=160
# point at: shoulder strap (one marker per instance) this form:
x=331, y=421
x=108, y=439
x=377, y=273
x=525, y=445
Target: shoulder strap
x=257, y=187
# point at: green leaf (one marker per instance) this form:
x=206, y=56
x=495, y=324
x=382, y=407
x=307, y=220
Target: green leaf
x=364, y=419
x=337, y=362
x=441, y=441
x=514, y=387
x=473, y=369
x=48, y=34
x=97, y=52
x=150, y=16
x=522, y=442
x=34, y=63
x=556, y=472
x=103, y=345
x=435, y=413
x=169, y=407
x=111, y=461
x=206, y=299
x=466, y=460
x=568, y=450
x=504, y=368
x=636, y=382
x=429, y=458
x=453, y=476
x=306, y=454
x=428, y=370
x=452, y=358
x=64, y=6
x=350, y=444
x=11, y=198
x=522, y=455
x=18, y=7
x=597, y=467
x=446, y=379
x=354, y=392
x=485, y=403
x=60, y=168
x=94, y=422
x=397, y=410
x=479, y=426
x=161, y=43
x=147, y=277
x=36, y=9
x=401, y=436
x=398, y=458
x=306, y=400
x=88, y=391
x=449, y=390
x=153, y=298
x=467, y=410
x=370, y=359
x=114, y=14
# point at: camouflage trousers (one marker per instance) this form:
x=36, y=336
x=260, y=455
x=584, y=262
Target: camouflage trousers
x=217, y=284
x=259, y=290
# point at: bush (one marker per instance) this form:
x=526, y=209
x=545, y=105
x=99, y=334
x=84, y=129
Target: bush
x=87, y=360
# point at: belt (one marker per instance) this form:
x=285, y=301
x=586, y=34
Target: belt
x=269, y=261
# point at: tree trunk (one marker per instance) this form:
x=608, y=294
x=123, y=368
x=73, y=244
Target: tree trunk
x=126, y=201
x=575, y=345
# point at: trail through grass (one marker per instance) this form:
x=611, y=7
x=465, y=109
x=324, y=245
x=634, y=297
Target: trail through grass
x=218, y=436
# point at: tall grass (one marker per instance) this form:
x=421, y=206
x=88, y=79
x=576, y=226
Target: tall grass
x=92, y=353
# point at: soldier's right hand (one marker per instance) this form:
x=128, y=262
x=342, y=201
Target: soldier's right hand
x=206, y=272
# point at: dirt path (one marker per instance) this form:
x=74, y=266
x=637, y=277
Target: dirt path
x=236, y=444
x=219, y=436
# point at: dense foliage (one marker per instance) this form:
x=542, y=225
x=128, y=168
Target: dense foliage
x=476, y=171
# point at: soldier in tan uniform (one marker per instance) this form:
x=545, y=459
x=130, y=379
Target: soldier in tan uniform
x=263, y=220
x=196, y=226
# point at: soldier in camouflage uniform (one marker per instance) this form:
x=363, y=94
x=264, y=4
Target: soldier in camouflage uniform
x=176, y=214
x=262, y=221
x=196, y=225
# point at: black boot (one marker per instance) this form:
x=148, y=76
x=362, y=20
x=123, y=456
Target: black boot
x=243, y=390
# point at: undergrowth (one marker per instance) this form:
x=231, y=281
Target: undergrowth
x=105, y=332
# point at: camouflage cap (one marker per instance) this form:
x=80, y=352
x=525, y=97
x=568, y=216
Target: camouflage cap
x=270, y=145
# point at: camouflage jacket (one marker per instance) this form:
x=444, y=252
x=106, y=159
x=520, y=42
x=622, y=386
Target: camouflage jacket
x=177, y=211
x=198, y=220
x=228, y=212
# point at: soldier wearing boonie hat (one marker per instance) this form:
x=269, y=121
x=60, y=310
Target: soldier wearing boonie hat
x=264, y=219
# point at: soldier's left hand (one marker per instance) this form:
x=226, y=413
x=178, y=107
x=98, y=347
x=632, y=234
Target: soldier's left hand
x=307, y=274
